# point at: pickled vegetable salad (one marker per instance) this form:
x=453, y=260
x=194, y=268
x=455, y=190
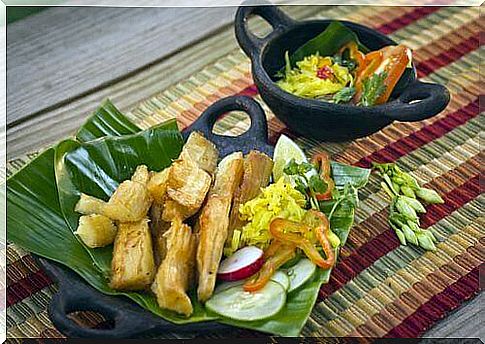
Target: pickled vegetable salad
x=336, y=67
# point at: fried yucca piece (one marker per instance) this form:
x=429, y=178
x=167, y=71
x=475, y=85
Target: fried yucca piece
x=141, y=175
x=157, y=188
x=130, y=201
x=214, y=221
x=172, y=211
x=158, y=228
x=188, y=185
x=132, y=266
x=176, y=270
x=96, y=230
x=257, y=173
x=200, y=150
x=88, y=205
x=157, y=185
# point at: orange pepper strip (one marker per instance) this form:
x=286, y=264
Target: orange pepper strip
x=323, y=160
x=278, y=225
x=395, y=61
x=278, y=253
x=322, y=233
x=372, y=62
x=355, y=55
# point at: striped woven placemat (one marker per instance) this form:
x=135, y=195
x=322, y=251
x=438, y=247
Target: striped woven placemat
x=379, y=288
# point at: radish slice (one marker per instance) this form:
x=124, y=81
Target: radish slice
x=243, y=263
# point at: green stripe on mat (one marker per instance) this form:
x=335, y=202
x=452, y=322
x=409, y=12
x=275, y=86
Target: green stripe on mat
x=28, y=307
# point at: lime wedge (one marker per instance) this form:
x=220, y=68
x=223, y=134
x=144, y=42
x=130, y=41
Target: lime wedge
x=284, y=151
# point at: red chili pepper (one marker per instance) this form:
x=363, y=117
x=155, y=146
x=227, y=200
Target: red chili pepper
x=325, y=73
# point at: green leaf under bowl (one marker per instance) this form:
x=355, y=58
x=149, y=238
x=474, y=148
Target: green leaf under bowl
x=327, y=43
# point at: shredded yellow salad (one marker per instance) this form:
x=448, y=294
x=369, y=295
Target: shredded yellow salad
x=314, y=77
x=277, y=200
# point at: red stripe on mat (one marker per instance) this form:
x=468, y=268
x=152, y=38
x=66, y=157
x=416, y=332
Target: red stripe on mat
x=407, y=144
x=27, y=286
x=407, y=19
x=437, y=307
x=364, y=256
x=453, y=53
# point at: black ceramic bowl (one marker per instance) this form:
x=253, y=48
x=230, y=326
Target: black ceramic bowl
x=411, y=100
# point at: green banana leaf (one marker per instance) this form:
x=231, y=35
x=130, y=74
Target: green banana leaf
x=345, y=174
x=107, y=120
x=36, y=220
x=327, y=43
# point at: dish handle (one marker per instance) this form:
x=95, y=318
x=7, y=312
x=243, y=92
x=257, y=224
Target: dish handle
x=250, y=43
x=256, y=137
x=420, y=100
x=77, y=296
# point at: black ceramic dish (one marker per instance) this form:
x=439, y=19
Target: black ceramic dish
x=130, y=320
x=412, y=100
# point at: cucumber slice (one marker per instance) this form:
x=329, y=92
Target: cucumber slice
x=300, y=273
x=226, y=285
x=282, y=278
x=237, y=304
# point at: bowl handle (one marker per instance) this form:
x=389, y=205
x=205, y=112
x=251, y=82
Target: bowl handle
x=419, y=101
x=256, y=137
x=250, y=43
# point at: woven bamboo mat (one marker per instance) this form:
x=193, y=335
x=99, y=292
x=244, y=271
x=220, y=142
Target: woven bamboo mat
x=379, y=288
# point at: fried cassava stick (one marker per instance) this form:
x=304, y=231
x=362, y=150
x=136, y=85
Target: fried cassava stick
x=176, y=270
x=132, y=266
x=200, y=150
x=214, y=221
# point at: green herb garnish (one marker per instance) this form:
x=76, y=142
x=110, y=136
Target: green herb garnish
x=372, y=88
x=344, y=95
x=308, y=186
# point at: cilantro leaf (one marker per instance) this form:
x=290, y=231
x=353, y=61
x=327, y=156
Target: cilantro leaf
x=372, y=88
x=291, y=168
x=317, y=185
x=344, y=95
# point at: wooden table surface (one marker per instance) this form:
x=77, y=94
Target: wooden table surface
x=61, y=63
